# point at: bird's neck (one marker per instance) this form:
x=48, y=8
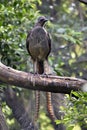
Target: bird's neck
x=38, y=24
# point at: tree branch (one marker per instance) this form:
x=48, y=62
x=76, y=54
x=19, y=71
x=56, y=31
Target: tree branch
x=83, y=1
x=51, y=83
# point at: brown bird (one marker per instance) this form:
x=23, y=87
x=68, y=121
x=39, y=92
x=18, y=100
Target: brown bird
x=38, y=44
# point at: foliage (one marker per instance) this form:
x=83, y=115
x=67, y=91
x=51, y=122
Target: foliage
x=45, y=122
x=68, y=29
x=15, y=19
x=75, y=110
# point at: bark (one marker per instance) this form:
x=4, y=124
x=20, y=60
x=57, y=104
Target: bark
x=83, y=1
x=46, y=83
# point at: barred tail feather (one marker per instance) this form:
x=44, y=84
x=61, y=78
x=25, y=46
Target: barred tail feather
x=50, y=107
x=37, y=104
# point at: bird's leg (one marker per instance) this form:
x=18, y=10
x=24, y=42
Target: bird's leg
x=34, y=71
x=35, y=67
x=47, y=70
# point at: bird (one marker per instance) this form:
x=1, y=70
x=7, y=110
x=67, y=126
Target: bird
x=38, y=44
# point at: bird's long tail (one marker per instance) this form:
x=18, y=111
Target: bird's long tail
x=37, y=104
x=40, y=70
x=50, y=107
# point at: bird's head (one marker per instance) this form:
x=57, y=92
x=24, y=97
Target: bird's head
x=41, y=20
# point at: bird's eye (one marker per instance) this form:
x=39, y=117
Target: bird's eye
x=41, y=19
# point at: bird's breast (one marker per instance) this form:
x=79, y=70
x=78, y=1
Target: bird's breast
x=38, y=44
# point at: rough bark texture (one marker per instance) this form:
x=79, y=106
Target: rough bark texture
x=51, y=83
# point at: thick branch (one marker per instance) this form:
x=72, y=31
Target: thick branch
x=83, y=1
x=51, y=83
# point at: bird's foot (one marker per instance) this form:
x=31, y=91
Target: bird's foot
x=36, y=74
x=45, y=75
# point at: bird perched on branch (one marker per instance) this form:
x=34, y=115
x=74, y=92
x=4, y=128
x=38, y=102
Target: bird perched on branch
x=38, y=45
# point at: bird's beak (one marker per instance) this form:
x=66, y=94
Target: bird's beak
x=45, y=20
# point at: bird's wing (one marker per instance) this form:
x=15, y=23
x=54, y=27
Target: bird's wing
x=27, y=41
x=49, y=42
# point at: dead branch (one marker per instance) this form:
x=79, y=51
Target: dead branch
x=50, y=83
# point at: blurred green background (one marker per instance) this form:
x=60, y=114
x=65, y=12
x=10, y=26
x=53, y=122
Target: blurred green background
x=68, y=29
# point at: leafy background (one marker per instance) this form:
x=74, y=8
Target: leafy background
x=68, y=29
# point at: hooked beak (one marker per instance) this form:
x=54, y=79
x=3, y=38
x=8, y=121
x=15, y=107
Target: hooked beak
x=45, y=20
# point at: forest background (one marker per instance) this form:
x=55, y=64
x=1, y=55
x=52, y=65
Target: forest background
x=67, y=26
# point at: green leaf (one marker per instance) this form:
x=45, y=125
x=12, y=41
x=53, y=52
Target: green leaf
x=58, y=122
